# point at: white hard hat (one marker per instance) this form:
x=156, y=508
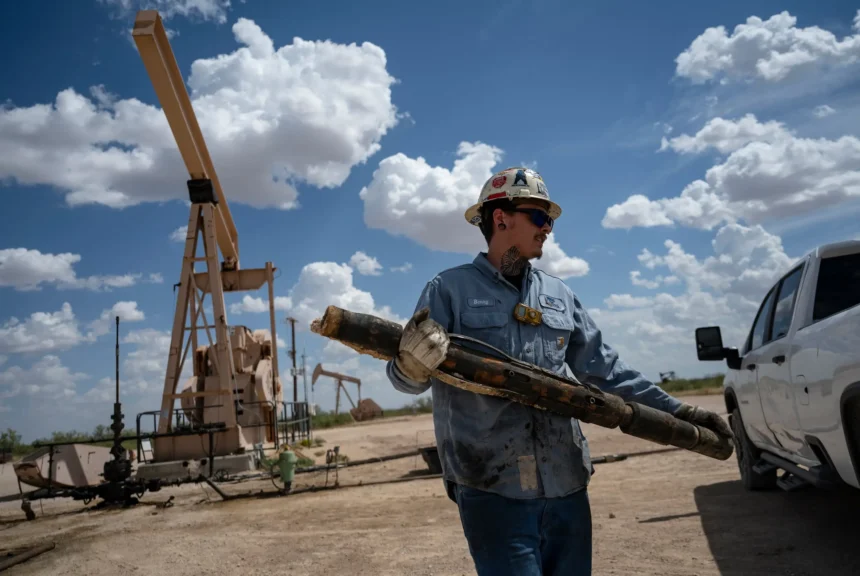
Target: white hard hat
x=513, y=183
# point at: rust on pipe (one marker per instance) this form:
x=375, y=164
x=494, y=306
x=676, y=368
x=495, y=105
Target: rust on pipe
x=525, y=383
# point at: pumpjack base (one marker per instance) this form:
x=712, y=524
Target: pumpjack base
x=194, y=468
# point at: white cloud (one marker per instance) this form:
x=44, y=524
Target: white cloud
x=727, y=135
x=780, y=176
x=408, y=197
x=179, y=234
x=626, y=301
x=554, y=261
x=307, y=112
x=203, y=9
x=823, y=111
x=127, y=312
x=365, y=265
x=656, y=333
x=321, y=284
x=25, y=269
x=769, y=49
x=253, y=304
x=144, y=368
x=637, y=280
x=41, y=332
x=47, y=377
x=405, y=267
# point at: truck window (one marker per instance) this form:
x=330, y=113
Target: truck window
x=761, y=322
x=785, y=304
x=838, y=286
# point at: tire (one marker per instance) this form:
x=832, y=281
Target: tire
x=747, y=455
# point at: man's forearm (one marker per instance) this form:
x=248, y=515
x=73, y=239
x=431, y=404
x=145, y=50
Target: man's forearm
x=633, y=387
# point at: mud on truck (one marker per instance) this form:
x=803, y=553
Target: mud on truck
x=792, y=390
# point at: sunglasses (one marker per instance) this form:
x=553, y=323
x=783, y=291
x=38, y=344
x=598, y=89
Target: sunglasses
x=536, y=215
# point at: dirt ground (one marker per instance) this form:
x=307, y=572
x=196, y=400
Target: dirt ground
x=671, y=513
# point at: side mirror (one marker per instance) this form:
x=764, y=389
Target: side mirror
x=709, y=346
x=709, y=343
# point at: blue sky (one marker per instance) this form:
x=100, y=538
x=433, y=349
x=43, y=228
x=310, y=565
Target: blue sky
x=646, y=128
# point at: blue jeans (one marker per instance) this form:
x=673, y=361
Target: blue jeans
x=540, y=537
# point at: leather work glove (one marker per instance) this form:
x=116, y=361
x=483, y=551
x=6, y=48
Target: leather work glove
x=704, y=418
x=423, y=346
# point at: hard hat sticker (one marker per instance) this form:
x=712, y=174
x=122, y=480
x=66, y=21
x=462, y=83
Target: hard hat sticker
x=521, y=176
x=499, y=181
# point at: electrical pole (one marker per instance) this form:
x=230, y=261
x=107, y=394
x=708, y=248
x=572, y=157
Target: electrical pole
x=307, y=410
x=305, y=377
x=295, y=411
x=292, y=322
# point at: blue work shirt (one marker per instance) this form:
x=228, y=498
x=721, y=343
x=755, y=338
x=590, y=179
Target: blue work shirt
x=499, y=445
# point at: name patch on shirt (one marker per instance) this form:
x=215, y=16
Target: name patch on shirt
x=551, y=302
x=480, y=302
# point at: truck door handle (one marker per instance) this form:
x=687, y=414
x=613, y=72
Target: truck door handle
x=778, y=359
x=750, y=366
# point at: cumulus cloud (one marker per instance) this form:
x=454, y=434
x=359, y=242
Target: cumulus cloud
x=365, y=265
x=179, y=234
x=726, y=136
x=656, y=333
x=554, y=261
x=127, y=312
x=41, y=332
x=409, y=197
x=273, y=117
x=321, y=284
x=637, y=280
x=26, y=269
x=769, y=174
x=768, y=50
x=255, y=304
x=47, y=377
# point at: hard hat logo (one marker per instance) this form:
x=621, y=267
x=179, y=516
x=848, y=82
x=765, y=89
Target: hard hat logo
x=520, y=177
x=512, y=184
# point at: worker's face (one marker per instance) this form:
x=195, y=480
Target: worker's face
x=522, y=231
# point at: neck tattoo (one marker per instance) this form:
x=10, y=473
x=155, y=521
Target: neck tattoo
x=512, y=262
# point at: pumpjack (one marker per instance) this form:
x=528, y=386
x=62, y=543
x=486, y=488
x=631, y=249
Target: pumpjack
x=234, y=390
x=340, y=379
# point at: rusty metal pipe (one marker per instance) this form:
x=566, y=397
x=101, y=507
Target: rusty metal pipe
x=525, y=383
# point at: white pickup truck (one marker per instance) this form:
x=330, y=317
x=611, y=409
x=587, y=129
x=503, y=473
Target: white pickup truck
x=792, y=391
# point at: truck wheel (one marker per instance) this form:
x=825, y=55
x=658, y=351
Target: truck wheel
x=747, y=455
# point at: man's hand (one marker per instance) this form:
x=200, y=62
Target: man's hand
x=704, y=418
x=423, y=346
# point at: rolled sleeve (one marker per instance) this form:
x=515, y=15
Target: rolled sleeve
x=433, y=298
x=596, y=362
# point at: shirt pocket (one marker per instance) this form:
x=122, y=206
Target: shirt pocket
x=555, y=330
x=488, y=327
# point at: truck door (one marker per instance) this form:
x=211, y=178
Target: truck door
x=773, y=366
x=747, y=385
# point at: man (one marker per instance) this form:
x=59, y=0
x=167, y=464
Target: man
x=519, y=475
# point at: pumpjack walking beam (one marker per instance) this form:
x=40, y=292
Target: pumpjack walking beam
x=210, y=219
